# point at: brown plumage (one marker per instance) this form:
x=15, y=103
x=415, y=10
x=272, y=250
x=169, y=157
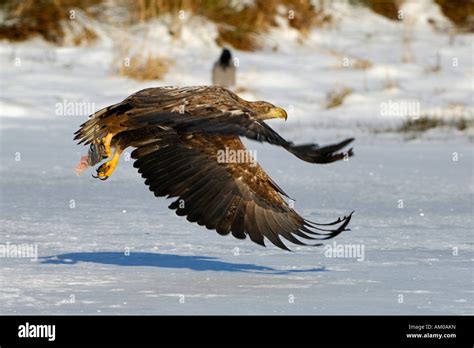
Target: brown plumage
x=178, y=135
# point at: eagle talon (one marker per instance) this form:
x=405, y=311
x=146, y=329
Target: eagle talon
x=102, y=178
x=107, y=168
x=102, y=171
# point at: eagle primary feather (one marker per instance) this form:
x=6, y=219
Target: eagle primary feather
x=177, y=134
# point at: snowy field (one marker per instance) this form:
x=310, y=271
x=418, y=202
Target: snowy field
x=112, y=247
x=408, y=251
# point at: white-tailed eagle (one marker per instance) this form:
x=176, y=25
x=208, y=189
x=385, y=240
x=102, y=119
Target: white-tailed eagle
x=178, y=135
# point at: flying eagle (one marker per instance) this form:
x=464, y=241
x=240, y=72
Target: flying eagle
x=178, y=135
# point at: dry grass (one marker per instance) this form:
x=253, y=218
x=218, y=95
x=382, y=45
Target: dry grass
x=145, y=67
x=386, y=8
x=425, y=123
x=361, y=64
x=336, y=96
x=354, y=63
x=46, y=18
x=390, y=83
x=238, y=25
x=140, y=62
x=460, y=12
x=304, y=15
x=457, y=116
x=347, y=61
x=421, y=124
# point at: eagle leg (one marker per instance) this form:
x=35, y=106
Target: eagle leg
x=106, y=169
x=106, y=142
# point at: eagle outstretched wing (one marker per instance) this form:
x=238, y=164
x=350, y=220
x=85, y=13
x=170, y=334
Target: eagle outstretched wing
x=191, y=111
x=237, y=198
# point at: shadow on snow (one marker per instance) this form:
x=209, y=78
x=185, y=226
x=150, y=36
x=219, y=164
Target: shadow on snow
x=195, y=263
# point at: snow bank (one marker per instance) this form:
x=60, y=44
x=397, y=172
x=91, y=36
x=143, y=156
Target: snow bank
x=381, y=61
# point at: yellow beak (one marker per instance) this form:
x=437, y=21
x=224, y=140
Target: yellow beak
x=277, y=112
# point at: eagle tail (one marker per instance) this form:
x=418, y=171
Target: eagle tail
x=95, y=127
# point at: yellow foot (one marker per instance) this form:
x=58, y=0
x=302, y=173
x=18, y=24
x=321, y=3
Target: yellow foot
x=106, y=169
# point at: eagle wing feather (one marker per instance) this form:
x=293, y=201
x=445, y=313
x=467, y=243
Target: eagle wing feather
x=236, y=198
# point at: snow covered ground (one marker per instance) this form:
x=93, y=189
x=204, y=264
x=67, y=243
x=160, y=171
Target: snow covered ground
x=422, y=251
x=112, y=247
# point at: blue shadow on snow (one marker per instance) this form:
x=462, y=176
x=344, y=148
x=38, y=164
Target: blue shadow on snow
x=195, y=263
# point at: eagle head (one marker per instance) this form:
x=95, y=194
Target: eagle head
x=266, y=111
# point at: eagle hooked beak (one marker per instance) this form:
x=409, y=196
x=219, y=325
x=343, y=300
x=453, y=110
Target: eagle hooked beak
x=277, y=112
